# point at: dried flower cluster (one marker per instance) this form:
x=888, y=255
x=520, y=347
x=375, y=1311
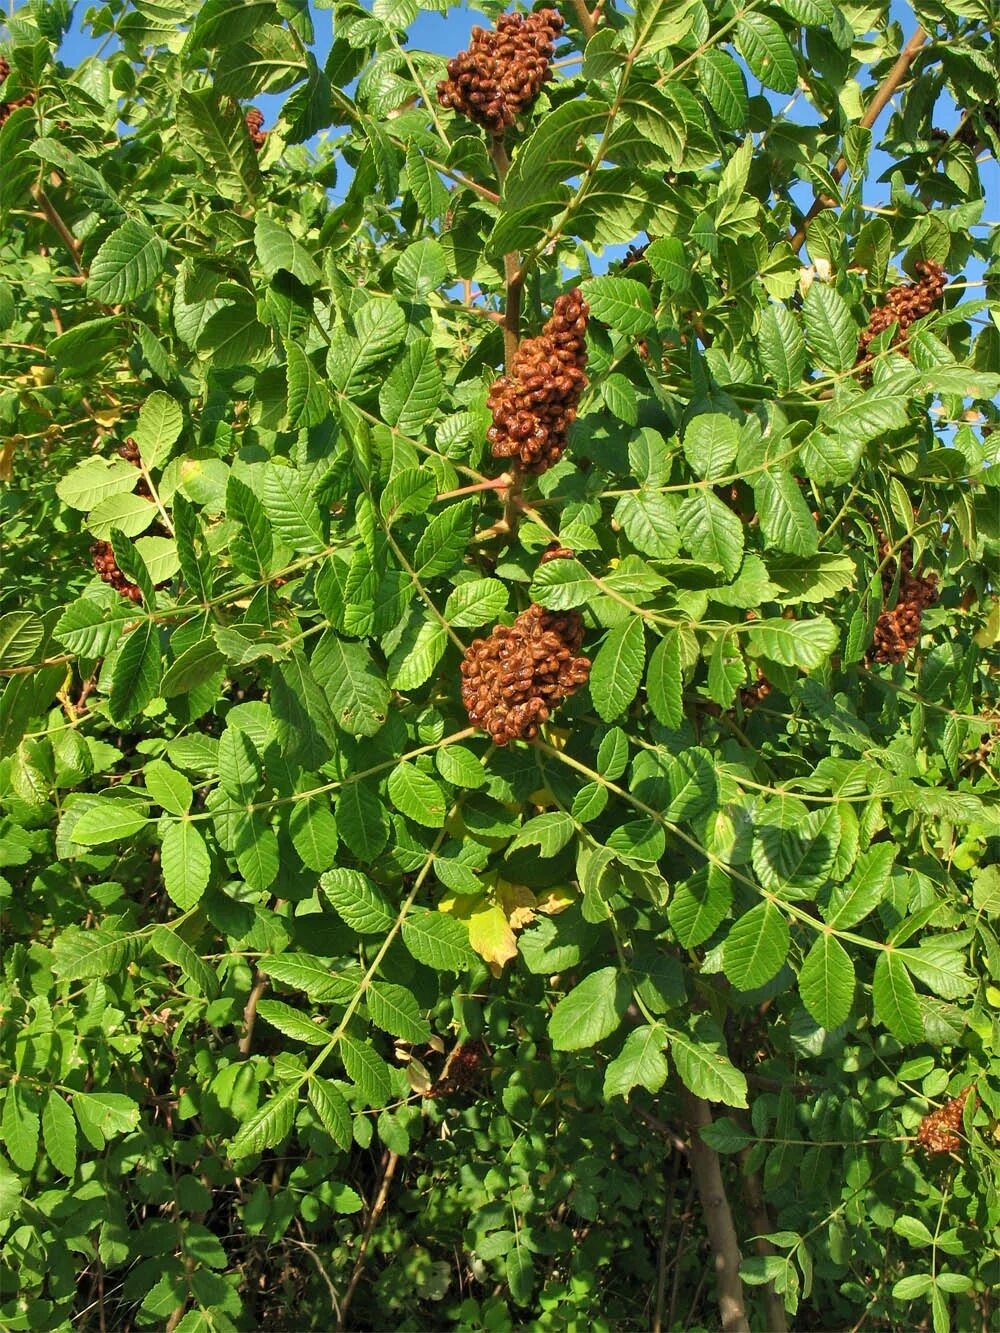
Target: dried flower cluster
x=752, y=695
x=255, y=127
x=130, y=452
x=634, y=253
x=898, y=631
x=512, y=681
x=904, y=305
x=502, y=73
x=464, y=1070
x=939, y=1131
x=534, y=404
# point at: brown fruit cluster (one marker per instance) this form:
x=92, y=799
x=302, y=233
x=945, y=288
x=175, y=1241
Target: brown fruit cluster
x=898, y=631
x=255, y=128
x=465, y=1070
x=513, y=680
x=752, y=695
x=904, y=305
x=634, y=253
x=534, y=405
x=939, y=1131
x=130, y=452
x=108, y=568
x=502, y=72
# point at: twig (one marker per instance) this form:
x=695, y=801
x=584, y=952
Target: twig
x=493, y=484
x=513, y=272
x=311, y=1251
x=761, y=1225
x=56, y=222
x=250, y=1013
x=881, y=99
x=388, y=1172
x=718, y=1216
x=678, y=1144
x=661, y=1262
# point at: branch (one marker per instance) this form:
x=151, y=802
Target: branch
x=585, y=18
x=67, y=237
x=512, y=272
x=718, y=1215
x=392, y=1160
x=878, y=103
x=250, y=1013
x=761, y=1225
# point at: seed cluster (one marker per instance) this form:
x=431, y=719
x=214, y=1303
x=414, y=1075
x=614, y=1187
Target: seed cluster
x=898, y=631
x=752, y=695
x=7, y=107
x=513, y=680
x=939, y=1131
x=534, y=405
x=904, y=305
x=255, y=127
x=634, y=253
x=502, y=72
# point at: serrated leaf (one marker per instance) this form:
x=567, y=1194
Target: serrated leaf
x=617, y=668
x=169, y=945
x=94, y=480
x=851, y=902
x=826, y=981
x=756, y=947
x=765, y=48
x=698, y=905
x=831, y=333
x=895, y=999
x=548, y=832
x=781, y=347
x=591, y=1011
x=168, y=788
x=329, y=1104
x=622, y=303
x=357, y=901
x=417, y=795
x=664, y=682
x=711, y=531
x=362, y=821
x=411, y=393
x=269, y=1125
x=478, y=602
x=393, y=1009
x=785, y=520
x=278, y=249
x=160, y=423
x=356, y=690
x=438, y=940
x=127, y=265
x=710, y=443
x=291, y=1023
x=703, y=1066
x=640, y=1063
x=21, y=633
x=108, y=820
x=366, y=1068
x=19, y=1127
x=305, y=972
x=135, y=678
x=805, y=644
x=59, y=1133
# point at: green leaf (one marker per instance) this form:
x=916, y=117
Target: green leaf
x=725, y=88
x=640, y=1063
x=851, y=901
x=328, y=1102
x=168, y=788
x=356, y=690
x=127, y=265
x=170, y=946
x=256, y=848
x=10, y=1192
x=417, y=795
x=622, y=303
x=233, y=335
x=591, y=1011
x=711, y=531
x=135, y=678
x=59, y=1133
x=94, y=480
x=215, y=130
x=703, y=1066
x=308, y=402
x=362, y=821
x=366, y=1068
x=21, y=633
x=20, y=1125
x=268, y=1126
x=438, y=940
x=425, y=184
x=765, y=48
x=99, y=952
x=410, y=395
x=291, y=1023
x=192, y=668
x=782, y=348
x=291, y=506
x=130, y=514
x=986, y=890
x=650, y=523
x=805, y=644
x=108, y=820
x=421, y=268
x=393, y=1009
x=785, y=520
x=710, y=444
x=756, y=947
x=478, y=602
x=561, y=584
x=617, y=668
x=443, y=542
x=278, y=249
x=408, y=492
x=357, y=901
x=548, y=832
x=895, y=999
x=831, y=333
x=826, y=981
x=251, y=546
x=305, y=972
x=698, y=905
x=665, y=682
x=160, y=423
x=313, y=831
x=104, y=1115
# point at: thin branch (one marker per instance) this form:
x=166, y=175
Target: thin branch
x=389, y=1171
x=512, y=271
x=878, y=103
x=761, y=1224
x=718, y=1216
x=661, y=1262
x=250, y=1013
x=67, y=237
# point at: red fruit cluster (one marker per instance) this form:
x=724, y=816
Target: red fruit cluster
x=502, y=72
x=513, y=680
x=534, y=404
x=107, y=566
x=904, y=305
x=939, y=1131
x=255, y=128
x=898, y=631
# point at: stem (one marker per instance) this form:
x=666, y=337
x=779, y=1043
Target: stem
x=585, y=18
x=718, y=1216
x=493, y=484
x=250, y=1013
x=512, y=271
x=392, y=1160
x=67, y=237
x=881, y=99
x=761, y=1225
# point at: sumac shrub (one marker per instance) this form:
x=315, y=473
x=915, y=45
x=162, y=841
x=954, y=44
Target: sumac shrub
x=498, y=664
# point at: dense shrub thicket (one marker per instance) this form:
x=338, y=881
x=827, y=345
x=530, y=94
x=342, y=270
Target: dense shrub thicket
x=498, y=794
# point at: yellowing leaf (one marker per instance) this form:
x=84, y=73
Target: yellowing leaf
x=518, y=903
x=491, y=936
x=556, y=900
